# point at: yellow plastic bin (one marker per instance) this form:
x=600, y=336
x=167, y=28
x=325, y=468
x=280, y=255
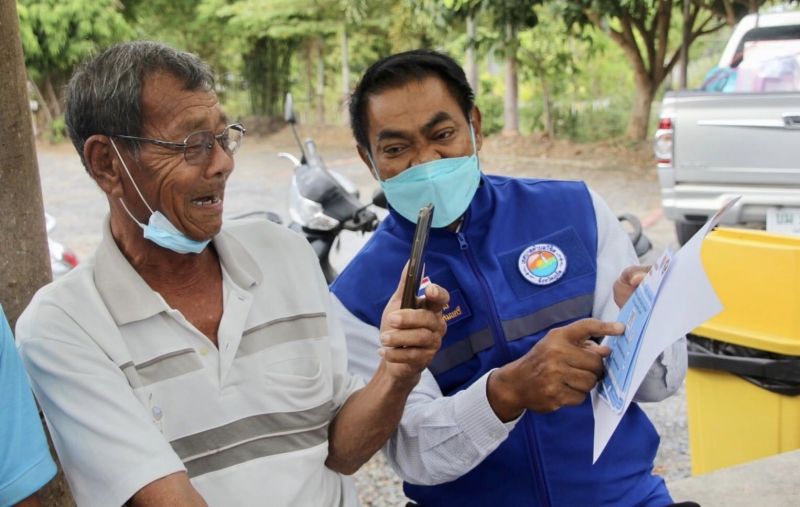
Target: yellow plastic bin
x=733, y=420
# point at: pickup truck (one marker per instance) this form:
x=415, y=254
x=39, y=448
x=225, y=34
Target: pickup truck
x=738, y=135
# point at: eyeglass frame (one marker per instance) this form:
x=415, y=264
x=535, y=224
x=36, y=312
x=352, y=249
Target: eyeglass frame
x=184, y=145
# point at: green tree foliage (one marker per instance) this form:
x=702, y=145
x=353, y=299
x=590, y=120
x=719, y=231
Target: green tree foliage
x=643, y=28
x=58, y=34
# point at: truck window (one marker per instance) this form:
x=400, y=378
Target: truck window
x=767, y=61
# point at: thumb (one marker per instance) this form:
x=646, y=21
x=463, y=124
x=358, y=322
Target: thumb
x=397, y=297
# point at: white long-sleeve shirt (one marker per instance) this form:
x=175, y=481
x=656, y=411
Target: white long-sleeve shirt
x=440, y=438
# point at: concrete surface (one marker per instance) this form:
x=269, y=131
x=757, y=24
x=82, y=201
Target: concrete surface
x=768, y=482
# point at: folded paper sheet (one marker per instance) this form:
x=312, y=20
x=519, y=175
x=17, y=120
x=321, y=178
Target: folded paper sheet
x=683, y=301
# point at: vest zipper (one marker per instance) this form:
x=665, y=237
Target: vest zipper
x=542, y=491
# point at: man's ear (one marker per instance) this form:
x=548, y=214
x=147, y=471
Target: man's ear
x=476, y=125
x=103, y=164
x=362, y=152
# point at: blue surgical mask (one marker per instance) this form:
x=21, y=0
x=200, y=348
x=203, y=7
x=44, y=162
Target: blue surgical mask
x=159, y=229
x=448, y=183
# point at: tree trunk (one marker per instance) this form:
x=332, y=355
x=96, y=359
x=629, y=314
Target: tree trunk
x=24, y=257
x=320, y=87
x=42, y=105
x=472, y=58
x=642, y=103
x=53, y=102
x=510, y=104
x=547, y=102
x=687, y=34
x=345, y=47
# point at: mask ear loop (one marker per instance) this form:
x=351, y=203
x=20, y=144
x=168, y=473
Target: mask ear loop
x=373, y=167
x=135, y=186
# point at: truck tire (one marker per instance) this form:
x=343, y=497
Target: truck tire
x=685, y=230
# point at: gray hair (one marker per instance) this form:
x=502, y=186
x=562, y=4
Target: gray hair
x=103, y=95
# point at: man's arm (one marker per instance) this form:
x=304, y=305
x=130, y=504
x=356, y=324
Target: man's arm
x=172, y=490
x=409, y=340
x=617, y=278
x=106, y=440
x=25, y=462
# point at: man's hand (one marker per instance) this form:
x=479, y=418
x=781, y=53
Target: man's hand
x=627, y=282
x=559, y=370
x=410, y=338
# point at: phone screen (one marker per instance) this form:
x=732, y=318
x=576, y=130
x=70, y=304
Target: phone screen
x=415, y=262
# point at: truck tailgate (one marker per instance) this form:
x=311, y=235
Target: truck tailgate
x=737, y=138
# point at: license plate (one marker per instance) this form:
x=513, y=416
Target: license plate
x=783, y=220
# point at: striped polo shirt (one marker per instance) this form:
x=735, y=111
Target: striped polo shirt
x=132, y=391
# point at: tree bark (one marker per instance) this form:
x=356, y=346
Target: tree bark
x=472, y=59
x=24, y=257
x=510, y=103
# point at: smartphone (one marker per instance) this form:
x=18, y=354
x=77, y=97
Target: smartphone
x=415, y=261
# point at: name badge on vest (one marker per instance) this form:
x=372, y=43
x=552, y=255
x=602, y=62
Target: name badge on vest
x=542, y=263
x=456, y=309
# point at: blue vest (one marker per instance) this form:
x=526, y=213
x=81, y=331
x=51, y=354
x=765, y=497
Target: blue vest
x=495, y=316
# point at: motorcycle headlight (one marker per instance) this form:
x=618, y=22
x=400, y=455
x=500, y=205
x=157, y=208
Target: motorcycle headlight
x=308, y=213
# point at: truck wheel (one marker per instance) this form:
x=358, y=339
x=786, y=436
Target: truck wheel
x=685, y=230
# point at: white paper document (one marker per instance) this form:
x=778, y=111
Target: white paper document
x=674, y=298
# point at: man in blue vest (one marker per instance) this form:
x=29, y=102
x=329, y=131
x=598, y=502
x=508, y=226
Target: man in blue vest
x=535, y=269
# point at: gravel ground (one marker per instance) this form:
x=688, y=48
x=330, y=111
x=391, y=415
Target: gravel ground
x=260, y=182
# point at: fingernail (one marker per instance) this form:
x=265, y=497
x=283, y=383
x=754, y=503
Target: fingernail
x=394, y=320
x=381, y=352
x=434, y=291
x=384, y=338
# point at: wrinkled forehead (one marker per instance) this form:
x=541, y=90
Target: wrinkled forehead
x=168, y=107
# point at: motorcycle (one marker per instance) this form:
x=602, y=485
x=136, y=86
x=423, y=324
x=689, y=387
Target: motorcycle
x=322, y=202
x=62, y=259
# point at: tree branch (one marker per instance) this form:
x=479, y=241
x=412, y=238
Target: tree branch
x=663, y=18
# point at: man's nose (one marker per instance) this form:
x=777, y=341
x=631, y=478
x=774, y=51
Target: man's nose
x=220, y=162
x=424, y=155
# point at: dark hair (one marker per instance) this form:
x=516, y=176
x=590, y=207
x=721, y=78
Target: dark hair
x=104, y=94
x=399, y=69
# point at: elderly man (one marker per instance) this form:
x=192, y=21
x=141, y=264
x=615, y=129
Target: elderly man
x=532, y=269
x=191, y=362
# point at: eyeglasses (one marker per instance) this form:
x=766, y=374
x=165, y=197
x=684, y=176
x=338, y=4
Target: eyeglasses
x=197, y=146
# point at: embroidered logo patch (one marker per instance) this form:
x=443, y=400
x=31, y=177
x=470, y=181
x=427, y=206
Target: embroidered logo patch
x=542, y=263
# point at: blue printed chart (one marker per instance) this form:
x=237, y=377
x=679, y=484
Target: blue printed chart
x=625, y=348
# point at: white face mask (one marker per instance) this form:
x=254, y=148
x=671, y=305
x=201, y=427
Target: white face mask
x=159, y=229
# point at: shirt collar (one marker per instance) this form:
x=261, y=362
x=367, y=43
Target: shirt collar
x=130, y=299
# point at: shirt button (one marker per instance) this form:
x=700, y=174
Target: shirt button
x=203, y=351
x=157, y=413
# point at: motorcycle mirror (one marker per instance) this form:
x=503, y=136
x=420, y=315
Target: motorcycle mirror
x=288, y=109
x=379, y=199
x=641, y=243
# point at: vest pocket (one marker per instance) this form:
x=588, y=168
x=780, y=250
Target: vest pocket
x=557, y=274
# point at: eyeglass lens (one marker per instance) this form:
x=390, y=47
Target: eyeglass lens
x=200, y=144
